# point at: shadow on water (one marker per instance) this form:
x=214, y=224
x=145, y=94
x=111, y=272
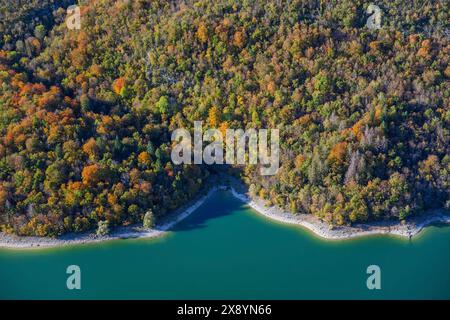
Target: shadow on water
x=439, y=225
x=209, y=211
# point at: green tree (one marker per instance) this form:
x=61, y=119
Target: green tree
x=103, y=228
x=149, y=220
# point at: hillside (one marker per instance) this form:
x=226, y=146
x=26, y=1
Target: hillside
x=86, y=115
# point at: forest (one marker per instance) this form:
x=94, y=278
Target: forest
x=86, y=115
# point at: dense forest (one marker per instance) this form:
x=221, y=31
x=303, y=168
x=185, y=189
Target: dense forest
x=86, y=115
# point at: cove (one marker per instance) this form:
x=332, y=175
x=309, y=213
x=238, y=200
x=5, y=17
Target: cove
x=227, y=251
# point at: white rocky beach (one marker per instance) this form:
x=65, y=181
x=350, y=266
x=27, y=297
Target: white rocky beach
x=322, y=229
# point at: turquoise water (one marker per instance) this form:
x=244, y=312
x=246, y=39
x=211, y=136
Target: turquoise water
x=225, y=250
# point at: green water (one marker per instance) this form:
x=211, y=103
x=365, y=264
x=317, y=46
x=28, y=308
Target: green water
x=225, y=250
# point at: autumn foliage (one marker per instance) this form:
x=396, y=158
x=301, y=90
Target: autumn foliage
x=86, y=117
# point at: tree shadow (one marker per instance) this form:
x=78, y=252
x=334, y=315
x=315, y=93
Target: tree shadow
x=440, y=225
x=219, y=205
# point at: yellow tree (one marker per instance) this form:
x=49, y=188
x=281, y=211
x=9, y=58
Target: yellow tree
x=91, y=149
x=144, y=158
x=202, y=33
x=91, y=174
x=214, y=116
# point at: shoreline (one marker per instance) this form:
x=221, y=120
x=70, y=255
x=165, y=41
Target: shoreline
x=319, y=228
x=129, y=232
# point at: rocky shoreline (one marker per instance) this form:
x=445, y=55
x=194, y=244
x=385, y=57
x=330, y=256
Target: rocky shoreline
x=318, y=227
x=408, y=230
x=129, y=232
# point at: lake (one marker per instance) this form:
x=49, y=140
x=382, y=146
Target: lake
x=227, y=251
